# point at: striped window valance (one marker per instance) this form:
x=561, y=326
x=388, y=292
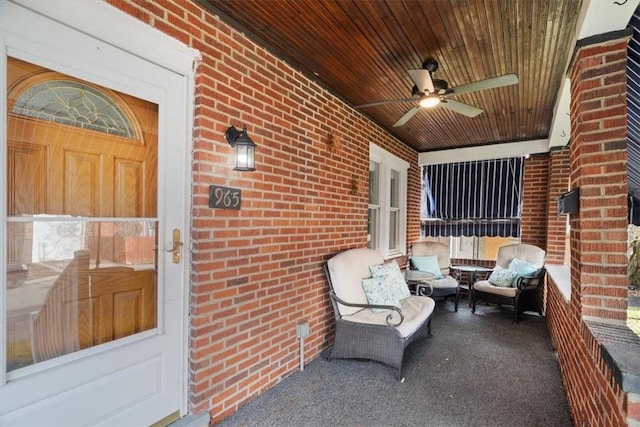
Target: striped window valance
x=478, y=198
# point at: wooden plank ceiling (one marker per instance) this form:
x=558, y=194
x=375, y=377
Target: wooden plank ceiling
x=361, y=51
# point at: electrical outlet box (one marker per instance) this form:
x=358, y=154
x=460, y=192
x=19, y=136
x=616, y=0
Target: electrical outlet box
x=302, y=329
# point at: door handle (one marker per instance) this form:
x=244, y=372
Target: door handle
x=177, y=246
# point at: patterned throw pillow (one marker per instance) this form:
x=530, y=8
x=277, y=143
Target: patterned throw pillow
x=380, y=291
x=395, y=278
x=522, y=269
x=502, y=277
x=428, y=264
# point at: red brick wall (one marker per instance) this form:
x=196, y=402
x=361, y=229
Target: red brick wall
x=557, y=224
x=534, y=202
x=598, y=234
x=595, y=398
x=258, y=271
x=598, y=167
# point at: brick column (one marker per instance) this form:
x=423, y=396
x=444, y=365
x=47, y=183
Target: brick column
x=557, y=224
x=535, y=201
x=598, y=159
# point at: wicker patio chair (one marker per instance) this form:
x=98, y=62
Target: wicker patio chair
x=525, y=293
x=362, y=333
x=446, y=286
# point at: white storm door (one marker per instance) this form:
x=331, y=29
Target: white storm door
x=73, y=375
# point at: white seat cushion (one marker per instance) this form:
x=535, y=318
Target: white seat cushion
x=485, y=286
x=415, y=310
x=444, y=283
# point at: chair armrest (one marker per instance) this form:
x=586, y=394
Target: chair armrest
x=383, y=307
x=531, y=282
x=424, y=289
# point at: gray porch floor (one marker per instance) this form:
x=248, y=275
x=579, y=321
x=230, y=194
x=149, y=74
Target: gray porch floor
x=477, y=370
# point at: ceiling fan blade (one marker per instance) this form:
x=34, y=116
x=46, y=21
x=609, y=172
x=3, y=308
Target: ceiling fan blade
x=392, y=101
x=462, y=108
x=506, y=80
x=422, y=78
x=407, y=116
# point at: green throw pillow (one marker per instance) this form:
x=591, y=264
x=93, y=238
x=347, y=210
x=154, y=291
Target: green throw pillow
x=502, y=277
x=380, y=291
x=428, y=264
x=395, y=277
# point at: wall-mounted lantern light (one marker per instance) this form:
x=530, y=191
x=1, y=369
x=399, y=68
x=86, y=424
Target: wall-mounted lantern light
x=243, y=147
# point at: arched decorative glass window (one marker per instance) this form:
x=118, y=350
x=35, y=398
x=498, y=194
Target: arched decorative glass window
x=73, y=103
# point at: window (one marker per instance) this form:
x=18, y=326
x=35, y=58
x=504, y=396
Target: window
x=387, y=202
x=477, y=248
x=74, y=103
x=478, y=198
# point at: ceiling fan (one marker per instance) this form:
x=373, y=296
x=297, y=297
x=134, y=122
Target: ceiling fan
x=429, y=92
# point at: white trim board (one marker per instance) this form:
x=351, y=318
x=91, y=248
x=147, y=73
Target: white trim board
x=485, y=152
x=107, y=23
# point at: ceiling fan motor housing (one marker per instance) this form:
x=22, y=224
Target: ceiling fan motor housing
x=440, y=85
x=431, y=65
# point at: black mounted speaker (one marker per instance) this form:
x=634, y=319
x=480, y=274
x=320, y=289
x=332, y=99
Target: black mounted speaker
x=569, y=202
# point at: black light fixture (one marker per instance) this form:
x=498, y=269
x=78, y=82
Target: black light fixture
x=243, y=147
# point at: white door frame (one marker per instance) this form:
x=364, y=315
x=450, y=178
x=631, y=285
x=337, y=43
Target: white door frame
x=116, y=28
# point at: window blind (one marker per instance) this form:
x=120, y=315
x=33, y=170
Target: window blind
x=478, y=198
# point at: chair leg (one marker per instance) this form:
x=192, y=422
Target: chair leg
x=539, y=302
x=472, y=298
x=456, y=299
x=326, y=354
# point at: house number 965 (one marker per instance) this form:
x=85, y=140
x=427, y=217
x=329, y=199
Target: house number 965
x=224, y=197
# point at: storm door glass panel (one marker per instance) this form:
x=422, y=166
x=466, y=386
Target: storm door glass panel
x=373, y=228
x=373, y=221
x=374, y=183
x=394, y=211
x=81, y=215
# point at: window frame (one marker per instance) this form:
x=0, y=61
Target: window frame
x=388, y=162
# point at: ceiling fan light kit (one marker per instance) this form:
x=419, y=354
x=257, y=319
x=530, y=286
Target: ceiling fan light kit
x=429, y=101
x=429, y=92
